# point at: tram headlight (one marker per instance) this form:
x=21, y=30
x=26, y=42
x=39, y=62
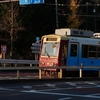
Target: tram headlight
x=41, y=63
x=53, y=64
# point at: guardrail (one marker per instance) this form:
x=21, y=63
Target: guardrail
x=8, y=1
x=15, y=62
x=18, y=69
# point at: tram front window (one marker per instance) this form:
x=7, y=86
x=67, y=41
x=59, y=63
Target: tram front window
x=50, y=49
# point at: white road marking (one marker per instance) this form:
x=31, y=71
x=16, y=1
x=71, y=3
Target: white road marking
x=79, y=87
x=62, y=94
x=50, y=85
x=96, y=94
x=6, y=89
x=54, y=89
x=98, y=86
x=91, y=83
x=33, y=91
x=70, y=83
x=27, y=87
x=65, y=98
x=85, y=87
x=40, y=85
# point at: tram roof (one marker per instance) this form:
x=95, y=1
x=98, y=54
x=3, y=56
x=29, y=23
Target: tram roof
x=55, y=35
x=68, y=37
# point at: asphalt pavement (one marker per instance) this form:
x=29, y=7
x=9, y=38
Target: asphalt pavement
x=50, y=90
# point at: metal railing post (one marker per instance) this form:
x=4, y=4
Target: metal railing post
x=40, y=73
x=18, y=74
x=30, y=65
x=99, y=72
x=15, y=65
x=60, y=73
x=80, y=72
x=56, y=5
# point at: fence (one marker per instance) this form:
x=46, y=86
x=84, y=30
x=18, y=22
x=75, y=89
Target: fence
x=15, y=62
x=18, y=69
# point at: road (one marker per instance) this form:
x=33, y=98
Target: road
x=46, y=90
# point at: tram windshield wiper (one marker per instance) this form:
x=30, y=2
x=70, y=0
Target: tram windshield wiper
x=47, y=53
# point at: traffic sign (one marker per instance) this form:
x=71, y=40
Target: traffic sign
x=36, y=52
x=3, y=48
x=36, y=44
x=36, y=48
x=27, y=2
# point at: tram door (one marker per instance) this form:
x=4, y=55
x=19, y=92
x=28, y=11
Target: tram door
x=63, y=54
x=73, y=56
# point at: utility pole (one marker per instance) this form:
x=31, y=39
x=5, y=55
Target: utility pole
x=56, y=4
x=87, y=5
x=11, y=33
x=94, y=11
x=86, y=15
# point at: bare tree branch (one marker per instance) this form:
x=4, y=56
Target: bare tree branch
x=7, y=20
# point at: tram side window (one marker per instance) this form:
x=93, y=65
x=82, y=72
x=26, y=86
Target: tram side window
x=88, y=51
x=98, y=54
x=73, y=50
x=84, y=51
x=92, y=51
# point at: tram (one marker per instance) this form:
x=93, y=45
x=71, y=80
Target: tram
x=70, y=47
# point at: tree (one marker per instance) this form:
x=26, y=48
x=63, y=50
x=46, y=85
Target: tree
x=73, y=20
x=10, y=17
x=10, y=22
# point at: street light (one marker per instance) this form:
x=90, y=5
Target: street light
x=56, y=4
x=86, y=15
x=94, y=11
x=87, y=4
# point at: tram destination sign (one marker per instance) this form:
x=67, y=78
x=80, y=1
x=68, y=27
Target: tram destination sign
x=27, y=2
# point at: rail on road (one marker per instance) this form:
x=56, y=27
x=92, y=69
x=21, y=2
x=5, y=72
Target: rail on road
x=15, y=62
x=18, y=69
